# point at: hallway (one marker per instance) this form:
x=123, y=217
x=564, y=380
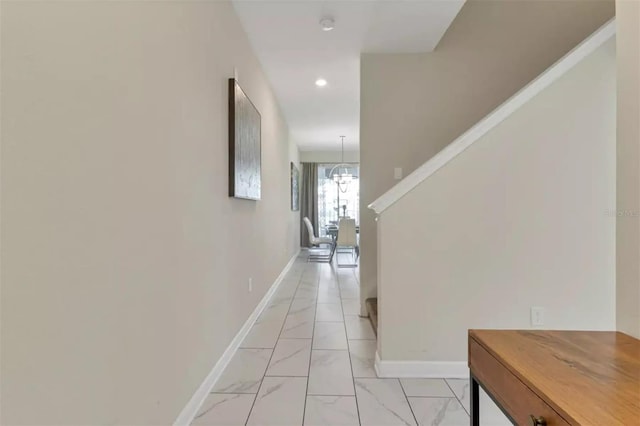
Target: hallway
x=309, y=359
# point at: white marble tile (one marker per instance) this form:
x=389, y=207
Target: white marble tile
x=490, y=413
x=279, y=299
x=290, y=358
x=293, y=276
x=224, y=409
x=382, y=402
x=346, y=258
x=279, y=402
x=289, y=283
x=309, y=285
x=286, y=290
x=263, y=334
x=328, y=286
x=329, y=312
x=244, y=372
x=275, y=311
x=351, y=306
x=346, y=272
x=309, y=277
x=328, y=283
x=348, y=279
x=329, y=335
x=301, y=304
x=363, y=354
x=331, y=410
x=306, y=293
x=358, y=327
x=439, y=411
x=328, y=297
x=426, y=387
x=347, y=276
x=299, y=323
x=461, y=388
x=330, y=373
x=328, y=273
x=349, y=292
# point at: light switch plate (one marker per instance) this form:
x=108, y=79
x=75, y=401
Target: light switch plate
x=397, y=173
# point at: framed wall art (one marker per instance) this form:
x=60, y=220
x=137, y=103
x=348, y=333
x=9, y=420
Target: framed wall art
x=244, y=145
x=295, y=188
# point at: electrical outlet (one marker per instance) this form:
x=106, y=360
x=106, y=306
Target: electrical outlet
x=250, y=285
x=537, y=316
x=397, y=173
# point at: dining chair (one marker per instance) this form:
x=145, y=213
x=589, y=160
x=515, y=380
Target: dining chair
x=316, y=242
x=347, y=238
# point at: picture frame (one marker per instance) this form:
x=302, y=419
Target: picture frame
x=295, y=188
x=245, y=145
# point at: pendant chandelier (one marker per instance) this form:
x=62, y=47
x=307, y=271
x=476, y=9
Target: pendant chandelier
x=340, y=172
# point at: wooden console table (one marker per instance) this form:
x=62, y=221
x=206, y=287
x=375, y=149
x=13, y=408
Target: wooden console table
x=557, y=377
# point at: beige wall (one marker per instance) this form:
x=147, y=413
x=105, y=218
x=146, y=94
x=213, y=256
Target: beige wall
x=521, y=218
x=124, y=262
x=413, y=105
x=628, y=226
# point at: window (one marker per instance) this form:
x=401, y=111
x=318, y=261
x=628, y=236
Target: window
x=333, y=203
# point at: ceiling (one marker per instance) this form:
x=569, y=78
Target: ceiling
x=295, y=52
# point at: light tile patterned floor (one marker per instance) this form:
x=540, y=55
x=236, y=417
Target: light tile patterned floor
x=309, y=360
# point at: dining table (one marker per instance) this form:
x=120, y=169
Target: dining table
x=332, y=230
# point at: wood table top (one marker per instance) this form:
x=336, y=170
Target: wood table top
x=588, y=377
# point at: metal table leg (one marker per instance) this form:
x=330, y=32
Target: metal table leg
x=475, y=401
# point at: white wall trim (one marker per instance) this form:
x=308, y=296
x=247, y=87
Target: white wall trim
x=588, y=46
x=190, y=410
x=422, y=369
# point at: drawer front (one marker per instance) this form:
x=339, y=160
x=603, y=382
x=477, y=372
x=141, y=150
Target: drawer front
x=513, y=395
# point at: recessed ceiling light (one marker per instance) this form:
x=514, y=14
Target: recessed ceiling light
x=327, y=23
x=321, y=82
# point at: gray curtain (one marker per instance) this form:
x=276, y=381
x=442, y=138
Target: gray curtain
x=308, y=200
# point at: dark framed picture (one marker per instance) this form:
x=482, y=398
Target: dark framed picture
x=295, y=188
x=244, y=145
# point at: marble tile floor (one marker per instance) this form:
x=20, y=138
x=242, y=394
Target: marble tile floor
x=309, y=358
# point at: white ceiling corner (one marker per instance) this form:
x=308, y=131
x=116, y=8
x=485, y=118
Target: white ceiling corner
x=294, y=52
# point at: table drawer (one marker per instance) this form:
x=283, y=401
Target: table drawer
x=513, y=395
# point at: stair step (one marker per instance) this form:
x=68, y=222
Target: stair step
x=372, y=309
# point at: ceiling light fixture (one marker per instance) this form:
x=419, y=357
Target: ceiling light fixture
x=321, y=82
x=341, y=178
x=327, y=23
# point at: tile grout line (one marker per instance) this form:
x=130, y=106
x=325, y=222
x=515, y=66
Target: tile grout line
x=456, y=395
x=313, y=332
x=408, y=403
x=353, y=379
x=318, y=349
x=317, y=272
x=269, y=362
x=434, y=397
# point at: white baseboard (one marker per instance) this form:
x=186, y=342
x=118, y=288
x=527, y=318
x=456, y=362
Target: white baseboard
x=422, y=369
x=190, y=410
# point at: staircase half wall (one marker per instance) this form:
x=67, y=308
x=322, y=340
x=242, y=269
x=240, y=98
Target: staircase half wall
x=522, y=216
x=413, y=105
